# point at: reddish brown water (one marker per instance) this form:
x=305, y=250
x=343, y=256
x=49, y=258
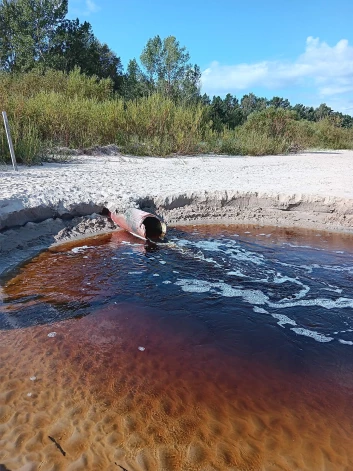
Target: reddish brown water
x=215, y=385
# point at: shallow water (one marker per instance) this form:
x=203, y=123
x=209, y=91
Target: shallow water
x=230, y=348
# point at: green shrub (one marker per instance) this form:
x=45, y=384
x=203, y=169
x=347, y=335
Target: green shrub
x=273, y=122
x=329, y=135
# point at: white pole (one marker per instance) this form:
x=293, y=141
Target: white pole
x=9, y=140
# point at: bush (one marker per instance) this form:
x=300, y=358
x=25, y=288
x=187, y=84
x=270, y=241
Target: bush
x=329, y=135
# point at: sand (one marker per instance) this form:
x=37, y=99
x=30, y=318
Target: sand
x=310, y=190
x=87, y=184
x=167, y=408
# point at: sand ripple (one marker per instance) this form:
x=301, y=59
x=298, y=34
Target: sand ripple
x=174, y=406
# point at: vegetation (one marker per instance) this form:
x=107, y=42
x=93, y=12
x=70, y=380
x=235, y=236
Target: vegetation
x=36, y=34
x=61, y=87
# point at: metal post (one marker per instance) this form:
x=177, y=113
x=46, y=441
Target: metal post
x=9, y=140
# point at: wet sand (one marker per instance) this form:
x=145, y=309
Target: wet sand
x=168, y=407
x=173, y=406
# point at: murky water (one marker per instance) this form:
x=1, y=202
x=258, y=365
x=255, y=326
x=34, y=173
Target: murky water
x=229, y=349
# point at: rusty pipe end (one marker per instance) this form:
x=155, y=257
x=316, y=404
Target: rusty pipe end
x=140, y=223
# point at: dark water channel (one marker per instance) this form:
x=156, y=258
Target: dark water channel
x=229, y=348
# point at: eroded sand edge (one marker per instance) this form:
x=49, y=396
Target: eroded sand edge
x=47, y=204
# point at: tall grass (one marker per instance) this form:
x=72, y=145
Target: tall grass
x=55, y=109
x=73, y=115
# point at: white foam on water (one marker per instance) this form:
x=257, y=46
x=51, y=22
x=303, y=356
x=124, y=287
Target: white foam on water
x=166, y=282
x=135, y=273
x=253, y=297
x=240, y=254
x=200, y=256
x=80, y=249
x=312, y=334
x=280, y=279
x=335, y=268
x=237, y=273
x=260, y=310
x=201, y=286
x=209, y=245
x=155, y=274
x=333, y=290
x=231, y=249
x=345, y=342
x=194, y=286
x=227, y=246
x=257, y=298
x=283, y=320
x=339, y=303
x=162, y=262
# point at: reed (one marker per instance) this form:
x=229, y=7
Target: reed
x=54, y=109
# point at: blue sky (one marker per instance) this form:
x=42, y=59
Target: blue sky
x=300, y=50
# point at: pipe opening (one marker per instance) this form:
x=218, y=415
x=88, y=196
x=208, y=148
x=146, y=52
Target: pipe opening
x=153, y=228
x=104, y=212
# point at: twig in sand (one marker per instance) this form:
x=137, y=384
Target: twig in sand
x=124, y=469
x=58, y=446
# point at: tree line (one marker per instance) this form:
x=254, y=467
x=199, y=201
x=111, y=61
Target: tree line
x=36, y=35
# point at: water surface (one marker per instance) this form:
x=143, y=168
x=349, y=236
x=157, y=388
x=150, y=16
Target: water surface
x=230, y=348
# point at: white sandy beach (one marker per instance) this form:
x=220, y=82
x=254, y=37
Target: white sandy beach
x=310, y=190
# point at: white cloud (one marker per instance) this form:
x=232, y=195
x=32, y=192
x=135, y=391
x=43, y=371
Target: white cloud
x=328, y=69
x=83, y=7
x=91, y=7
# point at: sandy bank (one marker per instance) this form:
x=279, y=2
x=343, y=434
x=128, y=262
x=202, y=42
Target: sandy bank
x=312, y=190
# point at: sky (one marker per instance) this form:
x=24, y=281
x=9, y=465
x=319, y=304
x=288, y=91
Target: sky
x=296, y=49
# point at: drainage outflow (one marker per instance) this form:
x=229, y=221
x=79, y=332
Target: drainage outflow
x=141, y=224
